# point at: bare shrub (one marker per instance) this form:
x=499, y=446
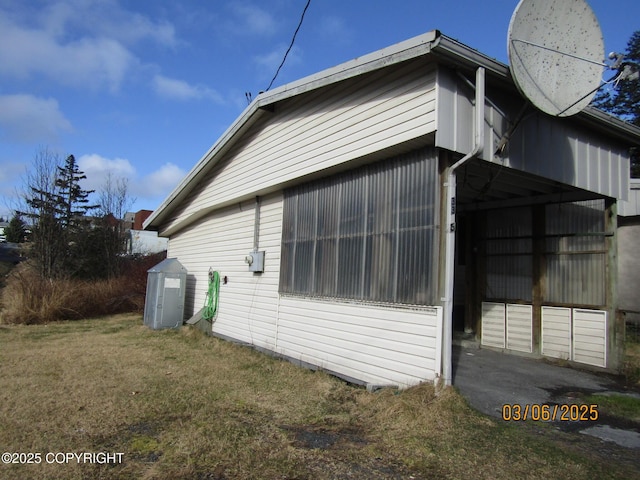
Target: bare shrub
x=30, y=299
x=27, y=298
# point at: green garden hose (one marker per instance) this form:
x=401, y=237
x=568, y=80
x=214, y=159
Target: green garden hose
x=211, y=300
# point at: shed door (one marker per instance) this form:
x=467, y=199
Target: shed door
x=172, y=302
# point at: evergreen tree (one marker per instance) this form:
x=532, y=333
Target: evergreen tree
x=57, y=206
x=15, y=231
x=622, y=97
x=72, y=206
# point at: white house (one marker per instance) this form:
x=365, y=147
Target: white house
x=376, y=248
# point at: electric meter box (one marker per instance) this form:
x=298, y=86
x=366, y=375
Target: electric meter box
x=164, y=303
x=255, y=260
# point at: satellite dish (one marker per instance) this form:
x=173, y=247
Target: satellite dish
x=556, y=52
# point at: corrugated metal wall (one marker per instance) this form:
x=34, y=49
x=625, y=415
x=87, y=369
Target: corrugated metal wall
x=574, y=256
x=554, y=148
x=369, y=234
x=575, y=253
x=509, y=250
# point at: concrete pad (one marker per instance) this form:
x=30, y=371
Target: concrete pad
x=625, y=438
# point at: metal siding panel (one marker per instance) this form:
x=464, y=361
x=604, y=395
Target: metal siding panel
x=454, y=113
x=519, y=328
x=493, y=324
x=509, y=263
x=631, y=206
x=628, y=268
x=556, y=332
x=590, y=337
x=575, y=262
x=569, y=153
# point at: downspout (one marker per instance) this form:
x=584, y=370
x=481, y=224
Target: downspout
x=450, y=243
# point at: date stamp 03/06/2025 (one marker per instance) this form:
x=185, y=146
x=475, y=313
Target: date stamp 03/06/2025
x=550, y=413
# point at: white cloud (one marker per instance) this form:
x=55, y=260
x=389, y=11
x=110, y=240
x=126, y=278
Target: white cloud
x=250, y=19
x=269, y=62
x=162, y=181
x=76, y=43
x=97, y=167
x=150, y=188
x=26, y=118
x=335, y=30
x=87, y=62
x=108, y=19
x=180, y=90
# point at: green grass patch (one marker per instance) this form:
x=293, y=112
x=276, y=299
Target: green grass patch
x=624, y=406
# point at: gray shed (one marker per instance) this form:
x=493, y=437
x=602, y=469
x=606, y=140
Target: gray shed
x=164, y=305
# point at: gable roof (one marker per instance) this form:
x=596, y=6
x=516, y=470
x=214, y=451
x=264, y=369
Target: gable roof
x=445, y=50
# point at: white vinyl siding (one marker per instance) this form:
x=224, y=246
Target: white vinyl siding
x=320, y=130
x=507, y=326
x=248, y=302
x=575, y=333
x=556, y=332
x=375, y=344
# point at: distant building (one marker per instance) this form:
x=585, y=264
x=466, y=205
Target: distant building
x=3, y=237
x=138, y=241
x=140, y=217
x=141, y=242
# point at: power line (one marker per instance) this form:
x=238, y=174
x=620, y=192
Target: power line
x=290, y=45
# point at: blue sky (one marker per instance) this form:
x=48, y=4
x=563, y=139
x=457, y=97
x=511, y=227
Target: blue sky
x=143, y=88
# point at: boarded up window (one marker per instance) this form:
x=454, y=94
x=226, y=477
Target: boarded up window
x=368, y=234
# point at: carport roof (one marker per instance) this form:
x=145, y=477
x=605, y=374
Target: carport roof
x=484, y=185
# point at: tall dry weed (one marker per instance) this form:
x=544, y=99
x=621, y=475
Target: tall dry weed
x=27, y=298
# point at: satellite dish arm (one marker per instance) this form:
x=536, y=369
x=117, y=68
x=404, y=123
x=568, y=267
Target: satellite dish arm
x=507, y=136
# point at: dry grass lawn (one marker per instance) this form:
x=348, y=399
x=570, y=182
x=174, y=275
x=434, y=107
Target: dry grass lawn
x=181, y=405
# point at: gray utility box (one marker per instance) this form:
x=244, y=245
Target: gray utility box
x=164, y=304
